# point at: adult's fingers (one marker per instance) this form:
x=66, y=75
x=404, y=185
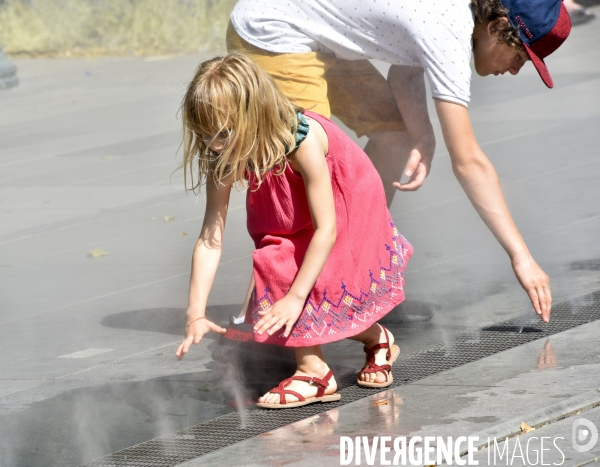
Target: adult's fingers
x=541, y=302
x=533, y=296
x=548, y=292
x=413, y=163
x=416, y=181
x=545, y=302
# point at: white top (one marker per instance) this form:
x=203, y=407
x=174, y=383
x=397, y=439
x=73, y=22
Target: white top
x=433, y=34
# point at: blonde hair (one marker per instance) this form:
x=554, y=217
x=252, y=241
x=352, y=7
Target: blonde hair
x=233, y=97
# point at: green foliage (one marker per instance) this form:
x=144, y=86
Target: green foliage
x=83, y=27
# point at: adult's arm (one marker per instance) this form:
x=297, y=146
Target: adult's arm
x=205, y=261
x=408, y=88
x=479, y=180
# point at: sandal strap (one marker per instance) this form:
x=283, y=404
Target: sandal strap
x=293, y=393
x=371, y=366
x=374, y=368
x=282, y=391
x=387, y=342
x=322, y=384
x=370, y=351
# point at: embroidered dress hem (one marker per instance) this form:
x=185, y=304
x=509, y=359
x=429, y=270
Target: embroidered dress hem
x=352, y=313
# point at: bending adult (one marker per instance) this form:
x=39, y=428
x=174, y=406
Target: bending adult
x=318, y=51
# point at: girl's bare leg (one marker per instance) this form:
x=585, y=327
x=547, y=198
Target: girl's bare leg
x=372, y=336
x=248, y=296
x=310, y=363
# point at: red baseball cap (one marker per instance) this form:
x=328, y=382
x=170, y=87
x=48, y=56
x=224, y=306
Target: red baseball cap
x=543, y=26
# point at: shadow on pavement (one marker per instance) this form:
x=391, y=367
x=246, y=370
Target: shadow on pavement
x=167, y=320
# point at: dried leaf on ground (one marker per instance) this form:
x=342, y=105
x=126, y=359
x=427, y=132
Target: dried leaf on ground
x=525, y=428
x=97, y=253
x=169, y=218
x=183, y=234
x=380, y=402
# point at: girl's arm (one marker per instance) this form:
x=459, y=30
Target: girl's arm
x=310, y=162
x=205, y=261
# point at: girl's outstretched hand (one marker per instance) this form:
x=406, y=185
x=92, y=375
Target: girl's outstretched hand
x=285, y=312
x=194, y=334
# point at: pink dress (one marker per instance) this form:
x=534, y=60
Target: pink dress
x=363, y=278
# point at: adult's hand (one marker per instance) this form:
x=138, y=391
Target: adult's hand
x=417, y=167
x=408, y=88
x=536, y=283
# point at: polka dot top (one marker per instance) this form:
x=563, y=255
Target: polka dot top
x=433, y=34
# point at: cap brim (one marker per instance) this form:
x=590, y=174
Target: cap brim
x=540, y=66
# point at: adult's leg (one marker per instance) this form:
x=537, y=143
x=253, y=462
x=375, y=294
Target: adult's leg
x=389, y=152
x=578, y=13
x=359, y=95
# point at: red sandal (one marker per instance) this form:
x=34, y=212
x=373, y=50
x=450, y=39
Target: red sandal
x=282, y=391
x=372, y=367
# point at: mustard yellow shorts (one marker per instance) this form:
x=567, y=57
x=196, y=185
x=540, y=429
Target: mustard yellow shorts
x=352, y=90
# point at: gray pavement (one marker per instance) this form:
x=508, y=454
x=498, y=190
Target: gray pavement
x=87, y=154
x=536, y=383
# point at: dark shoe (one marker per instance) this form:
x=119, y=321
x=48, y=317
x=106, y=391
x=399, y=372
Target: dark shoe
x=581, y=16
x=410, y=311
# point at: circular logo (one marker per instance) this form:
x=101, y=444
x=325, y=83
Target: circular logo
x=585, y=435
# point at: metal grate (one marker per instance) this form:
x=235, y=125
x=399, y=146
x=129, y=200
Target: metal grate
x=223, y=431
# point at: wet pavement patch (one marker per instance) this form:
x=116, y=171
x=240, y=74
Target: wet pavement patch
x=485, y=419
x=586, y=265
x=511, y=329
x=85, y=423
x=231, y=428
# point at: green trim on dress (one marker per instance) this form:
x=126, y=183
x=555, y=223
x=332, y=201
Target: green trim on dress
x=302, y=129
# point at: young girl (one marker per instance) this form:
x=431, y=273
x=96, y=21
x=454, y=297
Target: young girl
x=328, y=262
